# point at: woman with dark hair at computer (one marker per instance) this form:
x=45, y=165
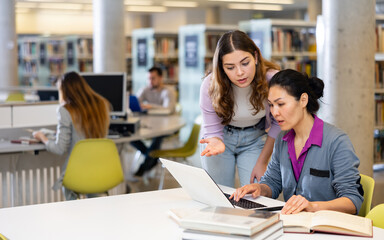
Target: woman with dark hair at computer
x=313, y=163
x=82, y=114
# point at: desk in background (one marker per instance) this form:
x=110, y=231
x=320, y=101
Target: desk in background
x=27, y=172
x=128, y=216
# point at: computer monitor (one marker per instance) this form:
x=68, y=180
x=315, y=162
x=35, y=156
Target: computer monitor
x=48, y=95
x=111, y=86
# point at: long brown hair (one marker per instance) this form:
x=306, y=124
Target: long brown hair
x=89, y=110
x=220, y=89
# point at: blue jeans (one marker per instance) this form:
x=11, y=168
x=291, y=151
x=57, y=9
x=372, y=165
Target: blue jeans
x=242, y=148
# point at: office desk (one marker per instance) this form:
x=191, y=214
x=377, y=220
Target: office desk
x=154, y=126
x=128, y=216
x=27, y=178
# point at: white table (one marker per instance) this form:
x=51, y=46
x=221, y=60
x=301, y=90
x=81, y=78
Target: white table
x=20, y=170
x=128, y=216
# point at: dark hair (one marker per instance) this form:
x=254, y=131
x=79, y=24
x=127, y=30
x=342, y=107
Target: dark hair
x=220, y=90
x=296, y=83
x=158, y=70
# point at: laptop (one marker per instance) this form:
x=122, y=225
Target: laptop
x=202, y=188
x=134, y=104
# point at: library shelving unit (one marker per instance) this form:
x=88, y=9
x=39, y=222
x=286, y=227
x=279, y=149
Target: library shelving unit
x=379, y=94
x=197, y=44
x=128, y=59
x=79, y=53
x=28, y=61
x=150, y=48
x=289, y=43
x=52, y=59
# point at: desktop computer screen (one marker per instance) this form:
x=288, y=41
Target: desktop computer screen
x=111, y=86
x=48, y=95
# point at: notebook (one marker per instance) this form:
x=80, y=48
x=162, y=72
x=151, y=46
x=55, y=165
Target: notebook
x=202, y=188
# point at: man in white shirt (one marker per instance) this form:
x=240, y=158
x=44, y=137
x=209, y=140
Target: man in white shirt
x=154, y=96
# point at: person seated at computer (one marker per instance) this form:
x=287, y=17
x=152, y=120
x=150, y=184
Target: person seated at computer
x=82, y=114
x=313, y=163
x=154, y=96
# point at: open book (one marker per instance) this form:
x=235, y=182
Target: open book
x=225, y=220
x=327, y=221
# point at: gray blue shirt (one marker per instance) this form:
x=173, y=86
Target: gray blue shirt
x=66, y=138
x=330, y=171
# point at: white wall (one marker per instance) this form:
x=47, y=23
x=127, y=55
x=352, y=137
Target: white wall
x=169, y=21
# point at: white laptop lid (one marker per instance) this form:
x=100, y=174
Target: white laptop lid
x=202, y=188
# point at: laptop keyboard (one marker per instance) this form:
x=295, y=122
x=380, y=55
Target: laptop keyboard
x=244, y=203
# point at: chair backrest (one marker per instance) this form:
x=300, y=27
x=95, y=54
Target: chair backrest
x=368, y=185
x=93, y=167
x=15, y=97
x=377, y=215
x=193, y=140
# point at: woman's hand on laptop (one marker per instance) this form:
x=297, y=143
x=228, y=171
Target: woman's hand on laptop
x=253, y=188
x=214, y=146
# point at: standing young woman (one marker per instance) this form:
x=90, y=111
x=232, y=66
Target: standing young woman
x=82, y=114
x=233, y=102
x=313, y=162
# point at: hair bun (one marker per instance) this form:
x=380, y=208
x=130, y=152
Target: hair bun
x=317, y=86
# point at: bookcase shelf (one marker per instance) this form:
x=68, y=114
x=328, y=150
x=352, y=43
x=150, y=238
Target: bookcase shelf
x=152, y=48
x=289, y=43
x=379, y=94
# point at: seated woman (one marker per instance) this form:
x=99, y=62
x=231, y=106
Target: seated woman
x=82, y=114
x=313, y=162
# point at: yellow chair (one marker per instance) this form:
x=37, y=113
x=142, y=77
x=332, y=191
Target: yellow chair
x=183, y=152
x=377, y=215
x=368, y=185
x=93, y=167
x=15, y=97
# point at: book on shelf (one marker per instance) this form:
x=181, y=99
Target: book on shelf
x=225, y=220
x=328, y=222
x=270, y=233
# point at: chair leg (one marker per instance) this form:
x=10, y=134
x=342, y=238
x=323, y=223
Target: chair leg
x=162, y=176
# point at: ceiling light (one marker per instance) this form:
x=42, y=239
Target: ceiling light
x=26, y=5
x=138, y=3
x=22, y=10
x=61, y=6
x=146, y=9
x=179, y=4
x=265, y=7
x=274, y=1
x=258, y=1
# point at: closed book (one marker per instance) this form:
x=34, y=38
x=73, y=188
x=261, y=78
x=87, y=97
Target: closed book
x=25, y=141
x=272, y=232
x=227, y=220
x=329, y=222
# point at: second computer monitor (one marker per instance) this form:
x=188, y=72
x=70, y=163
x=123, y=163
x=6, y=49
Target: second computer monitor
x=111, y=86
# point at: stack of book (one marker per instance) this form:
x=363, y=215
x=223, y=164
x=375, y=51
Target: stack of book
x=219, y=223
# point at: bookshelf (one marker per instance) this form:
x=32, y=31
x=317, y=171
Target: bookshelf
x=378, y=157
x=197, y=44
x=289, y=43
x=28, y=61
x=150, y=48
x=128, y=59
x=79, y=53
